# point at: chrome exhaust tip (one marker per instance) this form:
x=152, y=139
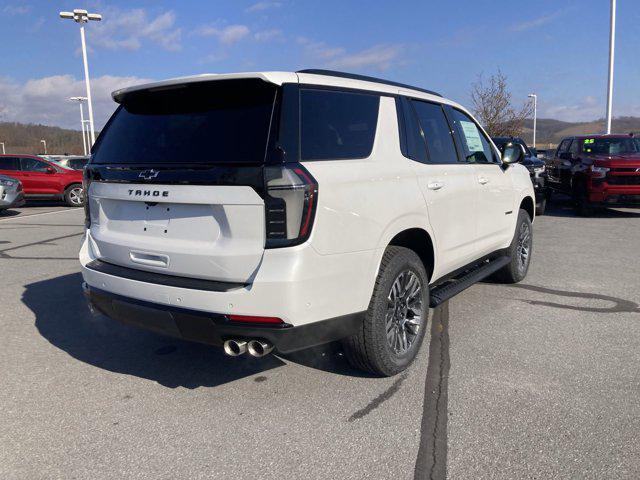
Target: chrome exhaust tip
x=259, y=348
x=234, y=348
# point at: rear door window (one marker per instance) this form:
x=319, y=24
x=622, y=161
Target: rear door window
x=223, y=122
x=436, y=132
x=33, y=165
x=337, y=125
x=476, y=147
x=9, y=163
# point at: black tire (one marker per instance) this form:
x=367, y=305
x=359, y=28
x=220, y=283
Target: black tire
x=515, y=270
x=581, y=201
x=370, y=349
x=541, y=206
x=74, y=195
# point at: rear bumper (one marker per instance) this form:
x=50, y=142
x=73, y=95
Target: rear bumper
x=213, y=328
x=296, y=284
x=11, y=199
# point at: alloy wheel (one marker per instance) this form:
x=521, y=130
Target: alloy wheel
x=404, y=312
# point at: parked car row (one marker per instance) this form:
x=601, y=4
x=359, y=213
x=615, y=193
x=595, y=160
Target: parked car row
x=594, y=170
x=597, y=171
x=44, y=179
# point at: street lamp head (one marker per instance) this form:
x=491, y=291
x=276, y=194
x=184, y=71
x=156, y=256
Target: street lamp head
x=81, y=16
x=532, y=95
x=78, y=99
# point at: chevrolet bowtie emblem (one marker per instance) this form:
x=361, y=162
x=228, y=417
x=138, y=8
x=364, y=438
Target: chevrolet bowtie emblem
x=149, y=174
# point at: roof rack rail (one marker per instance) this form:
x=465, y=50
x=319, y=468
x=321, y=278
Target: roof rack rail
x=365, y=78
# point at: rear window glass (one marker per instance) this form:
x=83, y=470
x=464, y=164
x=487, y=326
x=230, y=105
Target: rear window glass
x=337, y=125
x=216, y=122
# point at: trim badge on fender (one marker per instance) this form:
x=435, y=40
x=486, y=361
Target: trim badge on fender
x=149, y=174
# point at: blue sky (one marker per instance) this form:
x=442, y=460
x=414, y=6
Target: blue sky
x=557, y=49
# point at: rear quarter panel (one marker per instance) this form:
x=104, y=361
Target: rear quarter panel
x=364, y=203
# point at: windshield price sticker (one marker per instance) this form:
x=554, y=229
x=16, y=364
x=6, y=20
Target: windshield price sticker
x=472, y=136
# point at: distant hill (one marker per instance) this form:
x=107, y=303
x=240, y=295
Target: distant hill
x=553, y=131
x=25, y=138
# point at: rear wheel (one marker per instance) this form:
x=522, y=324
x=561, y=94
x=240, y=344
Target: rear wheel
x=74, y=195
x=520, y=252
x=395, y=323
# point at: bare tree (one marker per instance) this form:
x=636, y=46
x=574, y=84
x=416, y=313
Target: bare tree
x=493, y=108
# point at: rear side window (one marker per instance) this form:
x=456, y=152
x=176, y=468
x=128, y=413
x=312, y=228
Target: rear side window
x=436, y=131
x=475, y=144
x=9, y=163
x=215, y=122
x=337, y=125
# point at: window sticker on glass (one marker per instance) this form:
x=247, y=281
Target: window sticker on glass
x=472, y=136
x=588, y=144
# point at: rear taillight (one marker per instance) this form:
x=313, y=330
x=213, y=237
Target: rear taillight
x=86, y=182
x=290, y=205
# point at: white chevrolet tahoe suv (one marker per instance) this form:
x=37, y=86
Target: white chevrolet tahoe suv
x=276, y=211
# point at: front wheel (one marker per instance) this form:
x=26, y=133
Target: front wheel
x=395, y=323
x=74, y=195
x=520, y=252
x=581, y=201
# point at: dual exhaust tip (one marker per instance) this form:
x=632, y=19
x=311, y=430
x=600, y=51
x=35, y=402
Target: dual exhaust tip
x=256, y=348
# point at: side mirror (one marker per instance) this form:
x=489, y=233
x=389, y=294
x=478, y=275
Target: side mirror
x=50, y=170
x=512, y=153
x=534, y=151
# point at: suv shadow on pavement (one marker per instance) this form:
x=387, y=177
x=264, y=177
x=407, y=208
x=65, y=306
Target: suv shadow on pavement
x=64, y=319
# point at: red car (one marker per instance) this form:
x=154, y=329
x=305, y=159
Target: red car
x=597, y=171
x=42, y=179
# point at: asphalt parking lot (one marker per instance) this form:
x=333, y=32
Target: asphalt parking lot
x=538, y=380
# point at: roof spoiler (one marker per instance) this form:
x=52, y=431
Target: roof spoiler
x=277, y=78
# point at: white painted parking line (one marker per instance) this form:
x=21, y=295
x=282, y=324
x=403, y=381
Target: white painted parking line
x=21, y=217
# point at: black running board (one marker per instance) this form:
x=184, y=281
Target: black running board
x=452, y=287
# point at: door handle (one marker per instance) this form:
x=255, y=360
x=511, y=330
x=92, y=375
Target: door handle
x=483, y=180
x=435, y=185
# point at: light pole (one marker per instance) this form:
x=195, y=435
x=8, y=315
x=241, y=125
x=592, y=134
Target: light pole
x=84, y=138
x=3, y=152
x=44, y=142
x=81, y=17
x=612, y=47
x=535, y=115
x=85, y=128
